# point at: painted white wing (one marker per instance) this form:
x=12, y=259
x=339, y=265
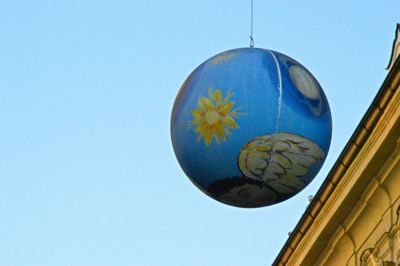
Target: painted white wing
x=279, y=160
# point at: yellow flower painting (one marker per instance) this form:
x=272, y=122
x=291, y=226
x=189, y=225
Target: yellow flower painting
x=214, y=116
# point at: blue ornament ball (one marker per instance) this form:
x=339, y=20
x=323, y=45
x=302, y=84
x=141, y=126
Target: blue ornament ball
x=251, y=127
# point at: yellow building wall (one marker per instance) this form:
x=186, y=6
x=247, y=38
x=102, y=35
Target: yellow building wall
x=370, y=234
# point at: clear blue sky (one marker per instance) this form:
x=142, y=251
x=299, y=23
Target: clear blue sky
x=87, y=171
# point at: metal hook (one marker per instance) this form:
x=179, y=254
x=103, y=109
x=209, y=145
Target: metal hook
x=251, y=42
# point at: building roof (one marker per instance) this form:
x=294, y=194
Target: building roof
x=350, y=152
x=395, y=48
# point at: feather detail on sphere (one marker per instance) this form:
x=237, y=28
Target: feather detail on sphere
x=279, y=160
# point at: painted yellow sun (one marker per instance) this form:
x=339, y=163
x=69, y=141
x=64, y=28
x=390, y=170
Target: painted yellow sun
x=214, y=117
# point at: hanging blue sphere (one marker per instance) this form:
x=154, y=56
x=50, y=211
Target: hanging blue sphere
x=251, y=127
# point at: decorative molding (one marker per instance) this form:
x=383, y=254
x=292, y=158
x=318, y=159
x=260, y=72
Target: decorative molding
x=370, y=258
x=388, y=263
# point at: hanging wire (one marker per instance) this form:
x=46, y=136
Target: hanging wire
x=251, y=26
